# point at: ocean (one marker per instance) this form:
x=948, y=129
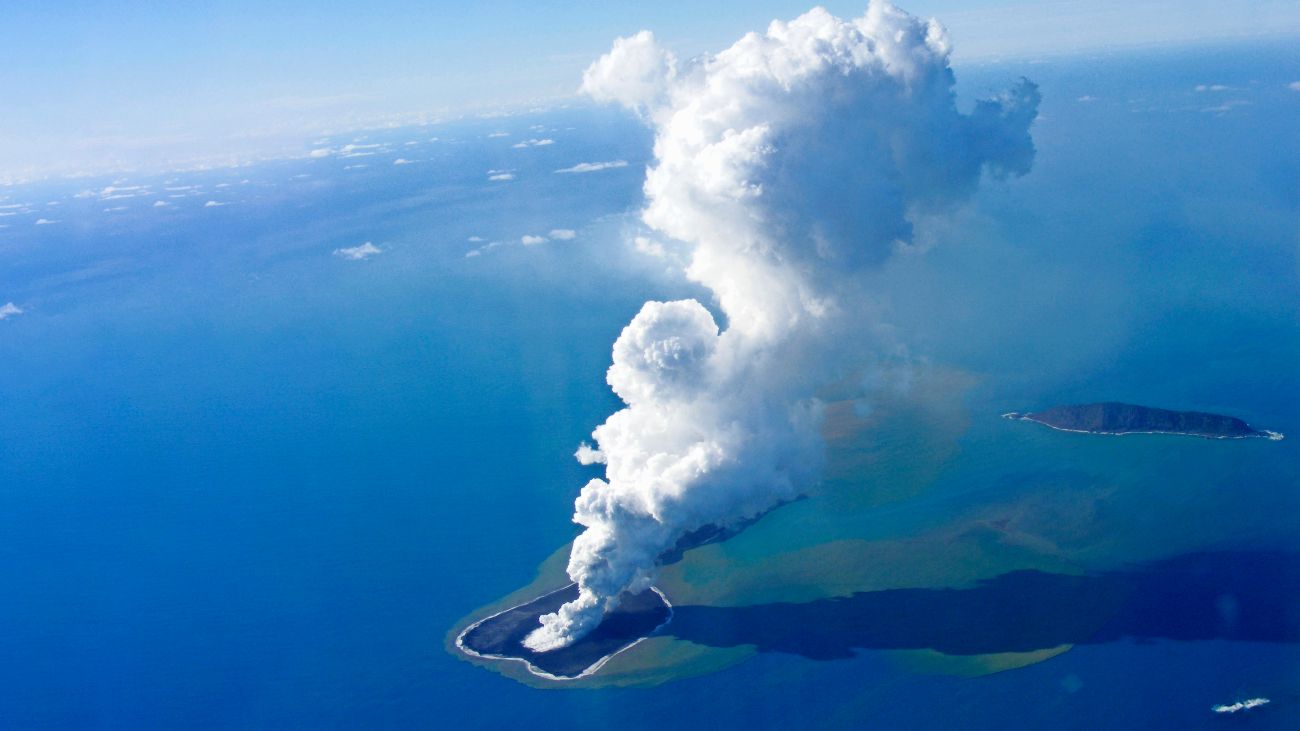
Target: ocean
x=249, y=482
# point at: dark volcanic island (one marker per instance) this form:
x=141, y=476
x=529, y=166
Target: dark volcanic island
x=501, y=635
x=1117, y=418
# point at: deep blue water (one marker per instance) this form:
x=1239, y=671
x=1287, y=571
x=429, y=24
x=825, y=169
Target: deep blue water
x=247, y=483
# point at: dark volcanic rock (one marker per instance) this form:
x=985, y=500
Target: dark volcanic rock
x=502, y=635
x=1117, y=418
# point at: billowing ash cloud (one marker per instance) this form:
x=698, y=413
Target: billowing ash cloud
x=788, y=164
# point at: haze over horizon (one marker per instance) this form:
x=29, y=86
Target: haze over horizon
x=94, y=88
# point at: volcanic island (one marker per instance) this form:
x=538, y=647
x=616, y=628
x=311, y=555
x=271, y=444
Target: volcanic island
x=1118, y=418
x=501, y=636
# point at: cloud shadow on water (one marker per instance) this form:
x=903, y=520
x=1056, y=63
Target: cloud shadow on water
x=1236, y=596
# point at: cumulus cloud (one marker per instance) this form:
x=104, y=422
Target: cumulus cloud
x=785, y=166
x=636, y=73
x=563, y=234
x=9, y=310
x=213, y=204
x=499, y=134
x=321, y=152
x=531, y=240
x=160, y=204
x=357, y=253
x=594, y=167
x=402, y=161
x=44, y=221
x=534, y=143
x=1212, y=87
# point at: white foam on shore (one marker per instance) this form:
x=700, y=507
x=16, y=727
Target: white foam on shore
x=1272, y=436
x=1245, y=705
x=591, y=669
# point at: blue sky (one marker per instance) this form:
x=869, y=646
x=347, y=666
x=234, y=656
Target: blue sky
x=109, y=84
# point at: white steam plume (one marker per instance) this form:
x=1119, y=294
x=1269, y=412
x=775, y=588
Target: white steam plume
x=788, y=164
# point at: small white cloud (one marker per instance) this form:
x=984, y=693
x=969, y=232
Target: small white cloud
x=1087, y=98
x=501, y=176
x=356, y=167
x=402, y=161
x=44, y=222
x=1294, y=86
x=475, y=239
x=1211, y=87
x=563, y=234
x=649, y=247
x=321, y=152
x=534, y=143
x=160, y=204
x=1245, y=705
x=592, y=167
x=115, y=190
x=482, y=249
x=530, y=240
x=9, y=310
x=213, y=204
x=114, y=208
x=412, y=142
x=357, y=253
x=495, y=134
x=588, y=455
x=1226, y=107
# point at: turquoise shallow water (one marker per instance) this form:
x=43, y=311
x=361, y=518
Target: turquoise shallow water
x=246, y=483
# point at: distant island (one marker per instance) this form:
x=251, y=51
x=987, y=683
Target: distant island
x=500, y=636
x=1117, y=418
